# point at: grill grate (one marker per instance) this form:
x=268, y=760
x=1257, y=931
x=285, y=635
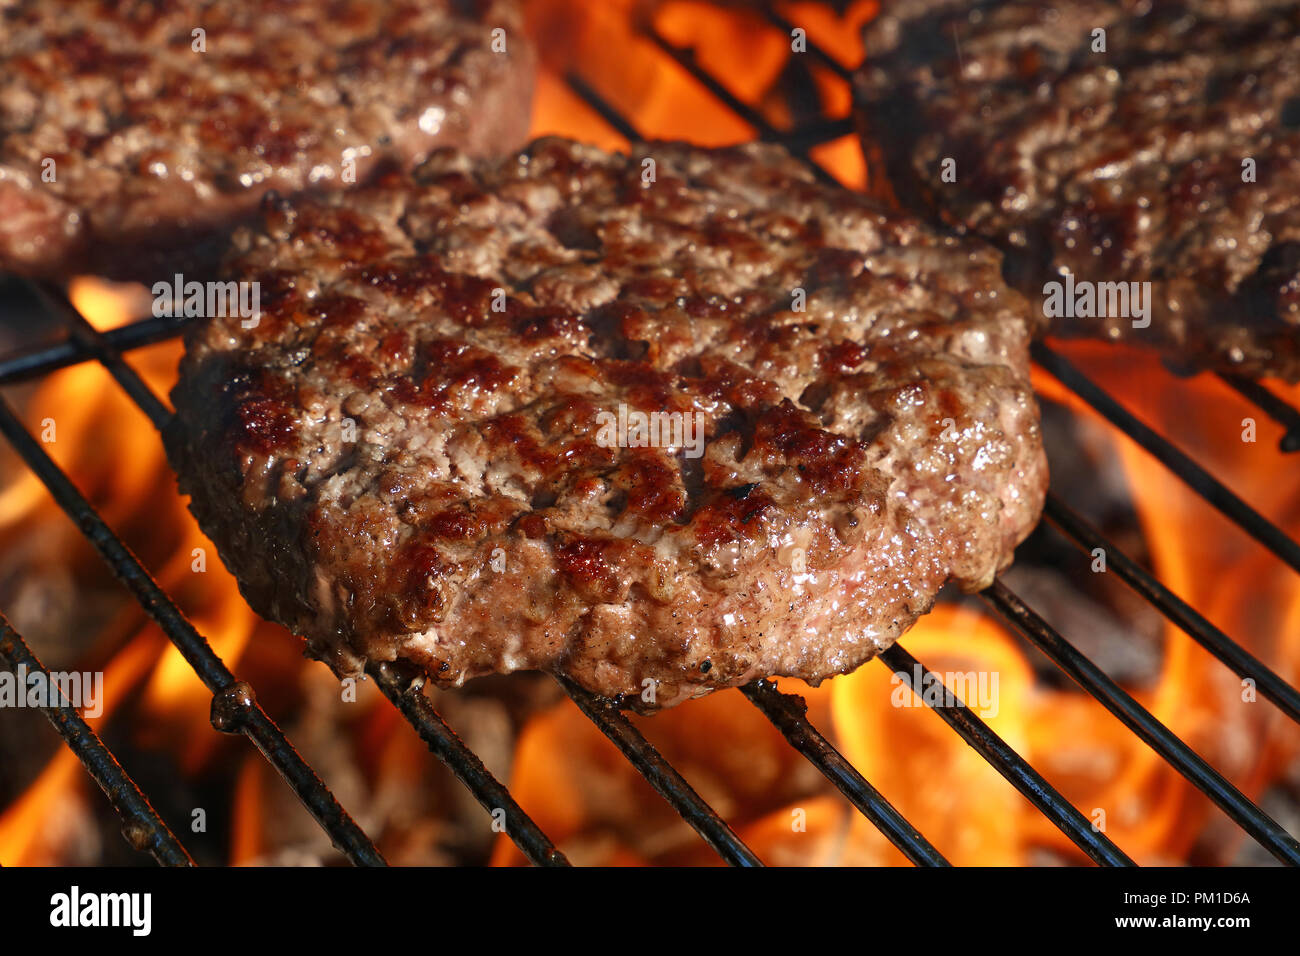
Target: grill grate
x=1267, y=832
x=241, y=713
x=236, y=710
x=142, y=826
x=1188, y=471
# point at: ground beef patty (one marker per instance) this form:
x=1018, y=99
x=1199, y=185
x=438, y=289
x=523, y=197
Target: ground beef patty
x=156, y=146
x=416, y=453
x=1118, y=166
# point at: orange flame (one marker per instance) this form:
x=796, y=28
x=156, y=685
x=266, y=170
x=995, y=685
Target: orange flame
x=609, y=46
x=34, y=829
x=108, y=305
x=110, y=450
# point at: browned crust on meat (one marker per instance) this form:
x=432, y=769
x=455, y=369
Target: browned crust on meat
x=159, y=149
x=1118, y=166
x=860, y=452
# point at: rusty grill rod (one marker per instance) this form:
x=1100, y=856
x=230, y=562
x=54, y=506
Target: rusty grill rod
x=141, y=825
x=1272, y=406
x=109, y=356
x=607, y=112
x=406, y=693
x=685, y=58
x=26, y=365
x=815, y=51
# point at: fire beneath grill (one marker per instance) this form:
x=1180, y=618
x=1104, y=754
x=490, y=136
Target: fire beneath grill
x=558, y=765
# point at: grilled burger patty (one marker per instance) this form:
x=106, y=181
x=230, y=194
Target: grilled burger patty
x=1118, y=166
x=417, y=452
x=156, y=147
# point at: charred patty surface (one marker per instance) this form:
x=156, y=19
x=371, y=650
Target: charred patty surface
x=419, y=452
x=132, y=131
x=1171, y=156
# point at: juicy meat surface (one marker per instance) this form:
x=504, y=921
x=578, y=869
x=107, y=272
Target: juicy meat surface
x=411, y=455
x=1117, y=166
x=157, y=147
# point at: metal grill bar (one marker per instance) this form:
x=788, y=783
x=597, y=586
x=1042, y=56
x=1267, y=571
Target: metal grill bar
x=25, y=366
x=1272, y=406
x=1011, y=765
x=107, y=354
x=1138, y=719
x=1176, y=609
x=815, y=51
x=662, y=775
x=142, y=826
x=789, y=714
x=1192, y=474
x=685, y=58
x=405, y=692
x=608, y=113
x=248, y=717
x=803, y=138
